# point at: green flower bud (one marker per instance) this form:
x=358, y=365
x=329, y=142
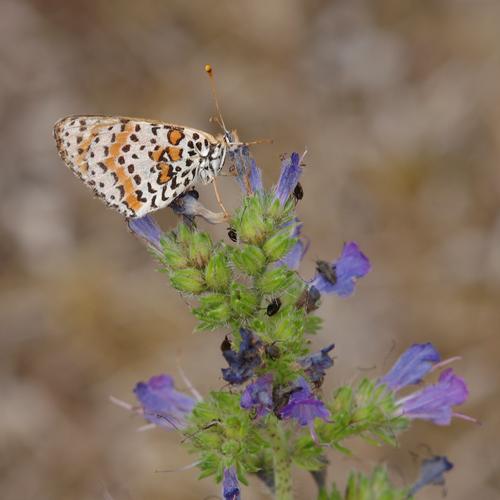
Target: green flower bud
x=252, y=227
x=184, y=235
x=279, y=245
x=188, y=280
x=200, y=248
x=218, y=272
x=213, y=311
x=275, y=209
x=250, y=259
x=243, y=300
x=275, y=280
x=230, y=447
x=172, y=254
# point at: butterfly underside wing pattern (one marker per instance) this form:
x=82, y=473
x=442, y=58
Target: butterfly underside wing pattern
x=137, y=166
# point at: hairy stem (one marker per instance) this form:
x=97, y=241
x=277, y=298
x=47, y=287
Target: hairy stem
x=282, y=465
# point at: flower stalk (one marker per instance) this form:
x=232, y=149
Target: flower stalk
x=272, y=413
x=282, y=465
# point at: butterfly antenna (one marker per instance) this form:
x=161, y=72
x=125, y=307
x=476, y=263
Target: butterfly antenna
x=210, y=72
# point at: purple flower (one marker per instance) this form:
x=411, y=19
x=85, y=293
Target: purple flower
x=255, y=177
x=435, y=402
x=290, y=174
x=294, y=257
x=162, y=404
x=147, y=229
x=259, y=396
x=230, y=485
x=316, y=364
x=342, y=275
x=248, y=175
x=304, y=407
x=411, y=366
x=242, y=363
x=431, y=472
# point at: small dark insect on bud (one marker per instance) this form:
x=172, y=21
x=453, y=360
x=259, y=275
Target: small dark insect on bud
x=327, y=271
x=298, y=192
x=233, y=235
x=273, y=307
x=225, y=345
x=272, y=351
x=309, y=299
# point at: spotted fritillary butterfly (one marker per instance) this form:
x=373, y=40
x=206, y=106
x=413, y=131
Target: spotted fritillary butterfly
x=138, y=166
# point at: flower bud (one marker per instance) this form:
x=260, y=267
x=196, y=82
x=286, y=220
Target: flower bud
x=252, y=227
x=200, y=248
x=243, y=300
x=275, y=280
x=213, y=311
x=250, y=259
x=218, y=272
x=188, y=280
x=278, y=245
x=172, y=254
x=184, y=235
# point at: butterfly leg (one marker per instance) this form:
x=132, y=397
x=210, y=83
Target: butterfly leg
x=219, y=200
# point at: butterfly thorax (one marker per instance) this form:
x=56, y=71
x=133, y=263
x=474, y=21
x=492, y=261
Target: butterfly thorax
x=212, y=161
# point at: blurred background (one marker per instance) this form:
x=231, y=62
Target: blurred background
x=398, y=104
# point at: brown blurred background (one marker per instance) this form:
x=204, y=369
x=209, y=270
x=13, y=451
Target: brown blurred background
x=398, y=104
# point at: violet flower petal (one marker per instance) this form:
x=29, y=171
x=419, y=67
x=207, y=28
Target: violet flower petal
x=294, y=257
x=255, y=177
x=148, y=229
x=230, y=485
x=431, y=472
x=290, y=174
x=435, y=402
x=351, y=265
x=411, y=366
x=303, y=406
x=162, y=404
x=259, y=396
x=317, y=363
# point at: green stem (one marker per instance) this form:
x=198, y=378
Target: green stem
x=282, y=465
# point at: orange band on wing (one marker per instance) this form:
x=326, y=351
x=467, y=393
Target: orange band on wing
x=124, y=179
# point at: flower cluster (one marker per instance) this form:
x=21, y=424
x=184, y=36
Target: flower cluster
x=272, y=411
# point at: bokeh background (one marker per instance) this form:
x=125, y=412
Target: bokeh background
x=398, y=104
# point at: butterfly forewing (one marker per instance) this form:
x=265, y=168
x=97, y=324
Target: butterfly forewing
x=136, y=166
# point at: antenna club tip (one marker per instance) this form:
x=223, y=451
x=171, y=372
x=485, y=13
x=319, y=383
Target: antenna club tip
x=208, y=69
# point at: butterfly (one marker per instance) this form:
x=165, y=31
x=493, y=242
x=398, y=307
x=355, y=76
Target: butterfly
x=137, y=166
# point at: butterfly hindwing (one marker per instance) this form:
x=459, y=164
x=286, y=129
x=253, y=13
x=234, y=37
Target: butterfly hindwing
x=136, y=166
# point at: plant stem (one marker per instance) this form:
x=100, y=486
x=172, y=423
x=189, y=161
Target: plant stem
x=282, y=466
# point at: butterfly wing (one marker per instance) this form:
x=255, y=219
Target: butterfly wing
x=136, y=166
